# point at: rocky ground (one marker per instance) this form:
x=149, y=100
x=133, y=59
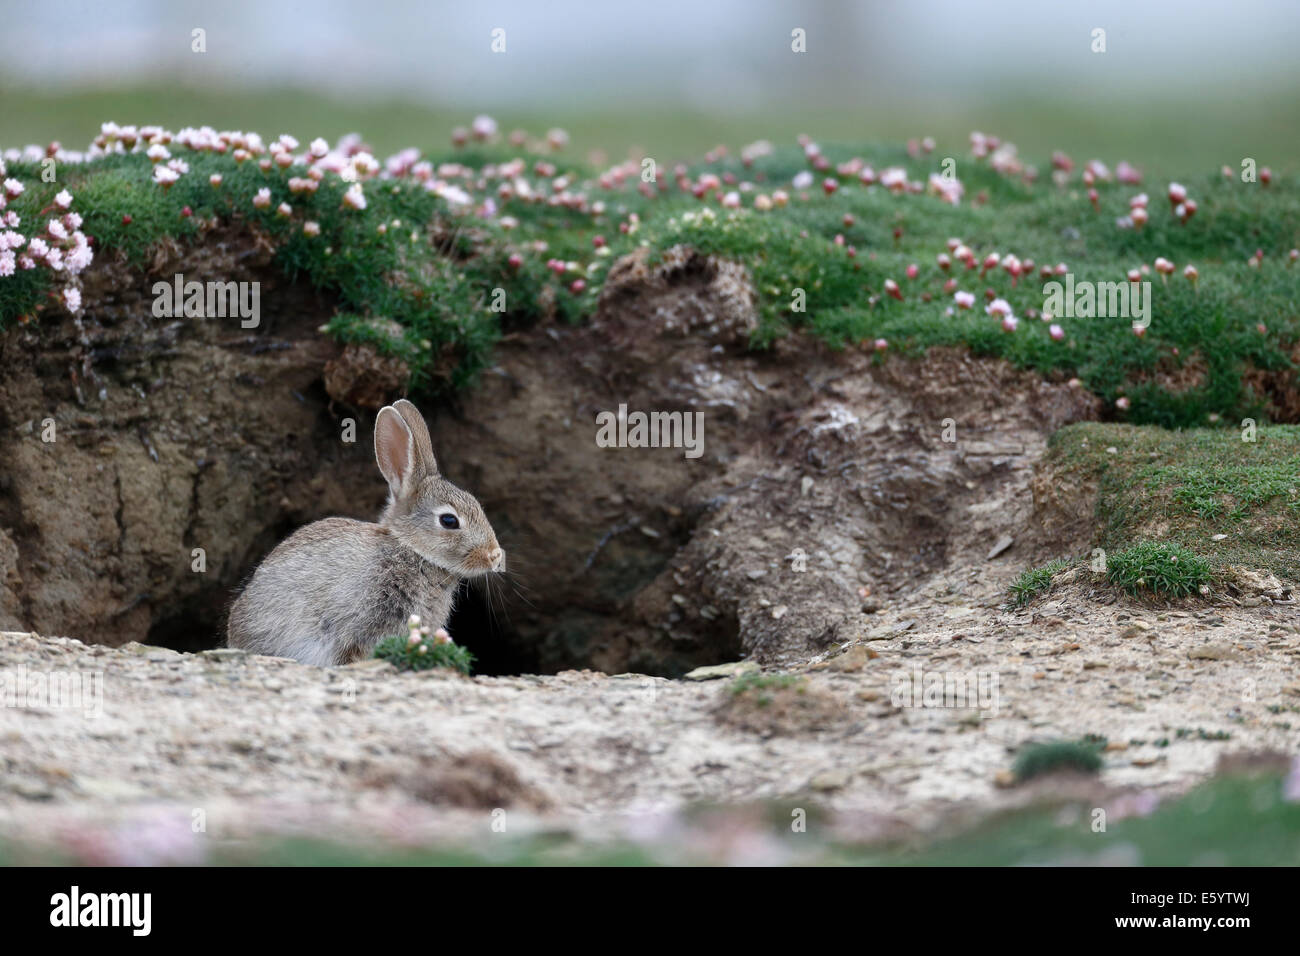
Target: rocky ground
x=256, y=743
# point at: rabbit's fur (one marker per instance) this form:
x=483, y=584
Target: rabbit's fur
x=332, y=590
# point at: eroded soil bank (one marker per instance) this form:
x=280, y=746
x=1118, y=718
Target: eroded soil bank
x=830, y=485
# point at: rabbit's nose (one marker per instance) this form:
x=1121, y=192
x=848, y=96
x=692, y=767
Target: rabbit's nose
x=497, y=559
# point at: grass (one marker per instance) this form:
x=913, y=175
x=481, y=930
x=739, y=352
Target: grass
x=1078, y=756
x=1154, y=567
x=409, y=259
x=402, y=654
x=759, y=687
x=1174, y=507
x=1035, y=581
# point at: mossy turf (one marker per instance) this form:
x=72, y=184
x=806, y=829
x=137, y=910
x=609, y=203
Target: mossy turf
x=409, y=258
x=1164, y=495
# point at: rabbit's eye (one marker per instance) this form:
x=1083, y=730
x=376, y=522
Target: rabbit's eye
x=449, y=521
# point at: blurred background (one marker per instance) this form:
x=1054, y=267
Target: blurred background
x=1197, y=82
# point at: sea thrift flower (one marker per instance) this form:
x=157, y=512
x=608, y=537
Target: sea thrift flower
x=964, y=300
x=164, y=176
x=945, y=263
x=263, y=198
x=311, y=228
x=1177, y=193
x=881, y=344
x=284, y=210
x=1164, y=267
x=1009, y=323
x=990, y=262
x=1138, y=216
x=1134, y=275
x=63, y=200
x=354, y=198
x=892, y=289
x=998, y=307
x=72, y=299
x=913, y=271
x=13, y=188
x=1056, y=332
x=1122, y=402
x=1191, y=275
x=214, y=180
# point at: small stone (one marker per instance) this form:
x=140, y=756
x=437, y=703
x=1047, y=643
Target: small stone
x=716, y=671
x=1004, y=779
x=830, y=780
x=1211, y=652
x=224, y=654
x=779, y=612
x=1004, y=542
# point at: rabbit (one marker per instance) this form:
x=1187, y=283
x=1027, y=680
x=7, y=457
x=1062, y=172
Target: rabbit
x=332, y=590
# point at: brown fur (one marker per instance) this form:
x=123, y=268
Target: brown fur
x=332, y=590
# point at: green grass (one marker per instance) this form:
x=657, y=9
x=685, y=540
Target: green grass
x=402, y=654
x=1165, y=493
x=1035, y=581
x=408, y=259
x=1158, y=568
x=1077, y=756
x=759, y=687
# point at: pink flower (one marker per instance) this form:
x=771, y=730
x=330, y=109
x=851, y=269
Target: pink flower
x=998, y=307
x=354, y=198
x=72, y=299
x=13, y=188
x=263, y=198
x=881, y=344
x=1056, y=332
x=1122, y=402
x=214, y=180
x=284, y=210
x=1177, y=193
x=964, y=300
x=1009, y=323
x=64, y=199
x=8, y=263
x=311, y=228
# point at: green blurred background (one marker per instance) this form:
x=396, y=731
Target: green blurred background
x=1192, y=85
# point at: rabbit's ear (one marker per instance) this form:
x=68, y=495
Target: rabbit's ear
x=420, y=432
x=395, y=451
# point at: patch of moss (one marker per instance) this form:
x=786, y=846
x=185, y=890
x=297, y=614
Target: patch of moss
x=1079, y=756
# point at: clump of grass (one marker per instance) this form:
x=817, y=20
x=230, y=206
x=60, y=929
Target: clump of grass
x=760, y=687
x=1079, y=756
x=399, y=651
x=1152, y=567
x=1035, y=581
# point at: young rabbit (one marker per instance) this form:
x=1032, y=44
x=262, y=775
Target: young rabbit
x=332, y=590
